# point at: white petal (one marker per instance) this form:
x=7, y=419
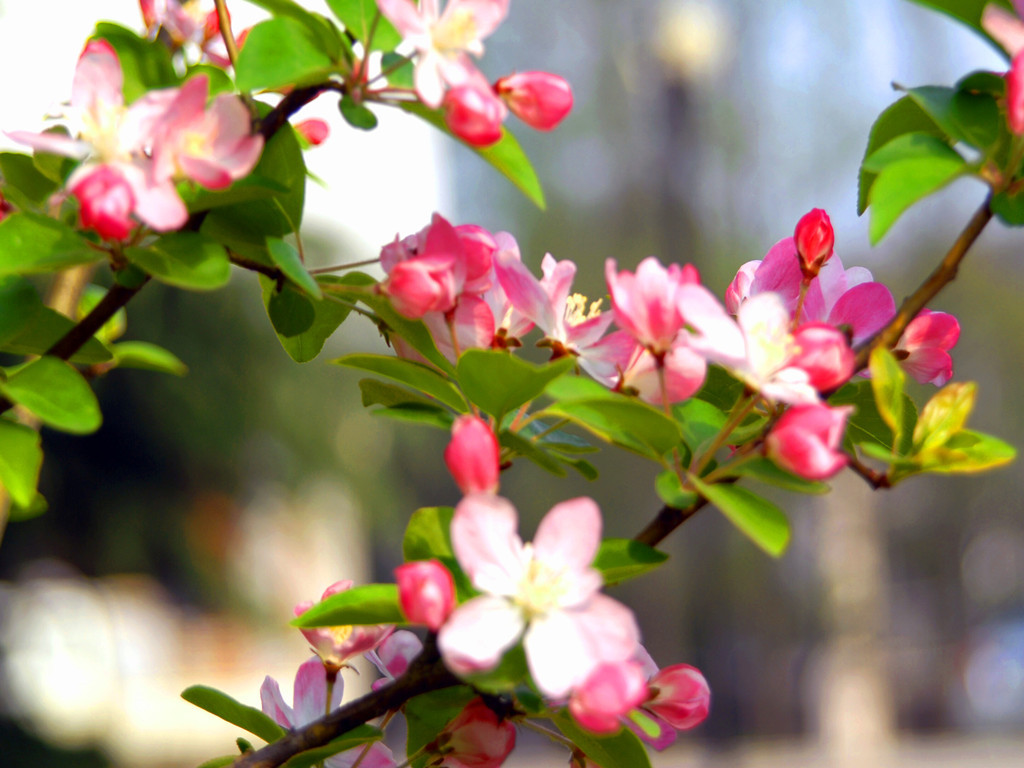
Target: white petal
x=478, y=633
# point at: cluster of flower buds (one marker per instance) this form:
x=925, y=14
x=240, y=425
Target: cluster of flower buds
x=445, y=76
x=135, y=155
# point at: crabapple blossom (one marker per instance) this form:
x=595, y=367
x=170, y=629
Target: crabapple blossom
x=426, y=592
x=106, y=202
x=807, y=440
x=814, y=240
x=1015, y=95
x=336, y=645
x=620, y=363
x=1004, y=27
x=680, y=696
x=314, y=131
x=393, y=656
x=609, y=693
x=545, y=593
x=472, y=455
x=310, y=702
x=474, y=114
x=646, y=302
x=539, y=99
x=443, y=40
x=476, y=738
x=823, y=352
x=923, y=349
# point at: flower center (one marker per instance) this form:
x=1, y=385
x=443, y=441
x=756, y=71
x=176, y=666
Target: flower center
x=541, y=589
x=456, y=33
x=576, y=310
x=340, y=634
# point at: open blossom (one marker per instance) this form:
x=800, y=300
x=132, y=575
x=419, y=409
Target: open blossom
x=807, y=440
x=393, y=656
x=444, y=40
x=476, y=738
x=923, y=349
x=545, y=593
x=646, y=303
x=620, y=363
x=336, y=645
x=310, y=703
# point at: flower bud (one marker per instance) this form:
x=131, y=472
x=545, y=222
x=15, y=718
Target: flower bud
x=314, y=131
x=473, y=456
x=539, y=99
x=608, y=694
x=426, y=591
x=476, y=738
x=1015, y=95
x=681, y=696
x=107, y=202
x=423, y=284
x=473, y=114
x=806, y=440
x=814, y=241
x=824, y=353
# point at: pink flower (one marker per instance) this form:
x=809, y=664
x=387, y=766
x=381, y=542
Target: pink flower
x=106, y=203
x=472, y=455
x=474, y=114
x=680, y=696
x=545, y=593
x=823, y=352
x=310, y=703
x=646, y=303
x=539, y=99
x=1015, y=95
x=421, y=285
x=393, y=656
x=443, y=40
x=1006, y=28
x=314, y=130
x=476, y=738
x=336, y=645
x=814, y=241
x=807, y=440
x=608, y=694
x=620, y=363
x=426, y=592
x=923, y=349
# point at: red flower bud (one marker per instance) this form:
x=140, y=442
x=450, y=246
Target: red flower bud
x=682, y=696
x=609, y=693
x=814, y=241
x=473, y=114
x=314, y=131
x=472, y=456
x=107, y=202
x=824, y=352
x=426, y=591
x=1015, y=95
x=807, y=439
x=539, y=99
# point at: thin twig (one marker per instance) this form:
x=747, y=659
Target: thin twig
x=224, y=20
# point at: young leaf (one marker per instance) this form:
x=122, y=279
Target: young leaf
x=148, y=357
x=34, y=508
x=320, y=28
x=620, y=750
x=699, y=421
x=903, y=183
x=21, y=457
x=186, y=260
x=909, y=145
x=944, y=415
x=428, y=534
x=365, y=604
x=357, y=115
x=764, y=471
x=287, y=259
x=32, y=243
x=532, y=451
x=621, y=420
x=887, y=381
x=358, y=736
x=758, y=518
x=670, y=490
x=506, y=155
x=358, y=18
x=622, y=559
x=416, y=375
x=281, y=52
x=55, y=392
x=226, y=708
x=497, y=382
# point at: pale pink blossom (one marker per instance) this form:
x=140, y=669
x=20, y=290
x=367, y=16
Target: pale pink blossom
x=472, y=455
x=620, y=363
x=807, y=440
x=546, y=593
x=336, y=645
x=646, y=302
x=310, y=703
x=393, y=656
x=824, y=353
x=609, y=693
x=814, y=240
x=539, y=99
x=1006, y=28
x=426, y=592
x=474, y=114
x=923, y=349
x=444, y=40
x=476, y=738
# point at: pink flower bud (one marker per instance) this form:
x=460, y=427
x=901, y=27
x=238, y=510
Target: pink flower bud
x=314, y=131
x=824, y=353
x=472, y=456
x=421, y=285
x=681, y=696
x=479, y=246
x=476, y=738
x=539, y=99
x=1015, y=95
x=336, y=645
x=806, y=440
x=473, y=114
x=814, y=241
x=923, y=349
x=107, y=202
x=607, y=695
x=426, y=591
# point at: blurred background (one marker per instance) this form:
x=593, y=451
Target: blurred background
x=181, y=534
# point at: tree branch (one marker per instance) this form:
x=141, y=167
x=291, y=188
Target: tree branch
x=666, y=521
x=271, y=122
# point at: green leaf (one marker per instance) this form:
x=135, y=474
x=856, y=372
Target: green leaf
x=758, y=518
x=622, y=559
x=34, y=508
x=509, y=673
x=252, y=187
x=219, y=80
x=966, y=12
x=528, y=449
x=23, y=183
x=365, y=604
x=944, y=415
x=281, y=52
x=30, y=243
x=903, y=183
x=147, y=357
x=497, y=382
x=219, y=762
x=972, y=118
x=426, y=716
x=111, y=330
x=1009, y=208
x=764, y=471
x=670, y=490
x=145, y=64
x=887, y=382
x=402, y=405
x=413, y=413
x=969, y=451
x=866, y=425
x=620, y=750
x=428, y=534
x=401, y=69
x=358, y=736
x=287, y=259
x=904, y=116
x=47, y=327
x=416, y=375
x=623, y=421
x=186, y=260
x=358, y=15
x=907, y=146
x=570, y=387
x=700, y=422
x=321, y=28
x=307, y=344
x=506, y=155
x=226, y=708
x=55, y=392
x=21, y=457
x=291, y=313
x=587, y=470
x=357, y=115
x=19, y=305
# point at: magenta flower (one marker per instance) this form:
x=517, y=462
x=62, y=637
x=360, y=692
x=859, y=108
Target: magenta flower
x=680, y=696
x=426, y=592
x=310, y=703
x=336, y=645
x=106, y=202
x=923, y=349
x=823, y=352
x=545, y=593
x=444, y=40
x=807, y=440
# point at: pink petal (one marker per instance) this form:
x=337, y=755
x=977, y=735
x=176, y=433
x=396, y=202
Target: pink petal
x=583, y=335
x=524, y=291
x=157, y=205
x=780, y=272
x=718, y=335
x=610, y=628
x=54, y=143
x=1004, y=27
x=558, y=654
x=206, y=171
x=487, y=545
x=866, y=308
x=487, y=14
x=569, y=535
x=931, y=329
x=408, y=20
x=98, y=81
x=272, y=703
x=428, y=80
x=478, y=633
x=310, y=695
x=379, y=756
x=929, y=365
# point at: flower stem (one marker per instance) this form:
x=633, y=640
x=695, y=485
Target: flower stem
x=224, y=20
x=739, y=413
